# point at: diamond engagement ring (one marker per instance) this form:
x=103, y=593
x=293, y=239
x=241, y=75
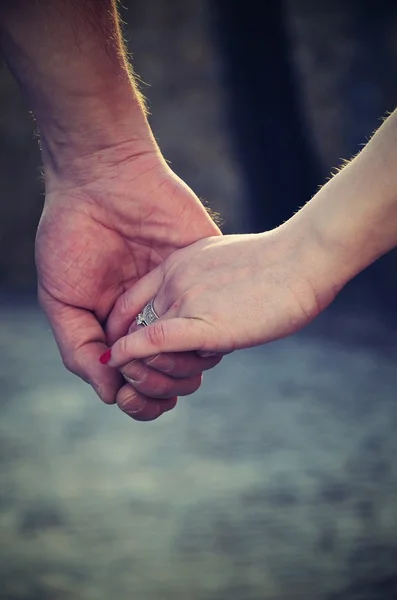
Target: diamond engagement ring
x=148, y=315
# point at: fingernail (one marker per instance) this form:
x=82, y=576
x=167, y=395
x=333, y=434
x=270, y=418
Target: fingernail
x=137, y=409
x=208, y=354
x=106, y=356
x=134, y=372
x=97, y=389
x=133, y=410
x=161, y=362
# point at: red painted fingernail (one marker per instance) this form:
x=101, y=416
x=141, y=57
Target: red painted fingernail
x=106, y=356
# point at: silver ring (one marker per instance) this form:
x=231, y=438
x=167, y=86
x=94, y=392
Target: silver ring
x=148, y=315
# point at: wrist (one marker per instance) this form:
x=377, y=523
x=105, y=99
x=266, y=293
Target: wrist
x=69, y=59
x=318, y=271
x=352, y=218
x=118, y=162
x=104, y=131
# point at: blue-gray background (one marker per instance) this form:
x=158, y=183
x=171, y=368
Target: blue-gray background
x=278, y=479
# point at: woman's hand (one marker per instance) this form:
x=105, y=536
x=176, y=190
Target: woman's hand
x=222, y=294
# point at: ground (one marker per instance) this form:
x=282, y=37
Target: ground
x=276, y=481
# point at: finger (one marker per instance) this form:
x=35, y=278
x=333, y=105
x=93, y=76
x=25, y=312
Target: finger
x=141, y=408
x=183, y=364
x=129, y=304
x=81, y=341
x=168, y=335
x=155, y=384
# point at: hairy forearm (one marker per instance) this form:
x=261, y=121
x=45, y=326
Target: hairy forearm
x=354, y=216
x=69, y=59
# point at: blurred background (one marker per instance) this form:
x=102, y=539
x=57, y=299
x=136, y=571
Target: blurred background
x=277, y=480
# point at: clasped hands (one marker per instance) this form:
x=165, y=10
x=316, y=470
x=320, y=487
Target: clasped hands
x=120, y=233
x=103, y=228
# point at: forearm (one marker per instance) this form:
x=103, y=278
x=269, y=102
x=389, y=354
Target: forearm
x=69, y=60
x=354, y=216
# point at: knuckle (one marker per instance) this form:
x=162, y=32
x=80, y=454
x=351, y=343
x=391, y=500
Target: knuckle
x=123, y=345
x=156, y=334
x=175, y=284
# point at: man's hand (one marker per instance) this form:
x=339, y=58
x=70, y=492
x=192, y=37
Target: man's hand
x=113, y=209
x=98, y=236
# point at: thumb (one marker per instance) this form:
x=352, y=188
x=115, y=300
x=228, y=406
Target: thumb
x=81, y=341
x=178, y=334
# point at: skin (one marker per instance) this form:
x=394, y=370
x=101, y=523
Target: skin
x=219, y=295
x=88, y=253
x=223, y=294
x=113, y=209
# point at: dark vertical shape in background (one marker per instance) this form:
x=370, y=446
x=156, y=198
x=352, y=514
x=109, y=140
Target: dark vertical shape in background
x=271, y=142
x=370, y=86
x=368, y=92
x=373, y=92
